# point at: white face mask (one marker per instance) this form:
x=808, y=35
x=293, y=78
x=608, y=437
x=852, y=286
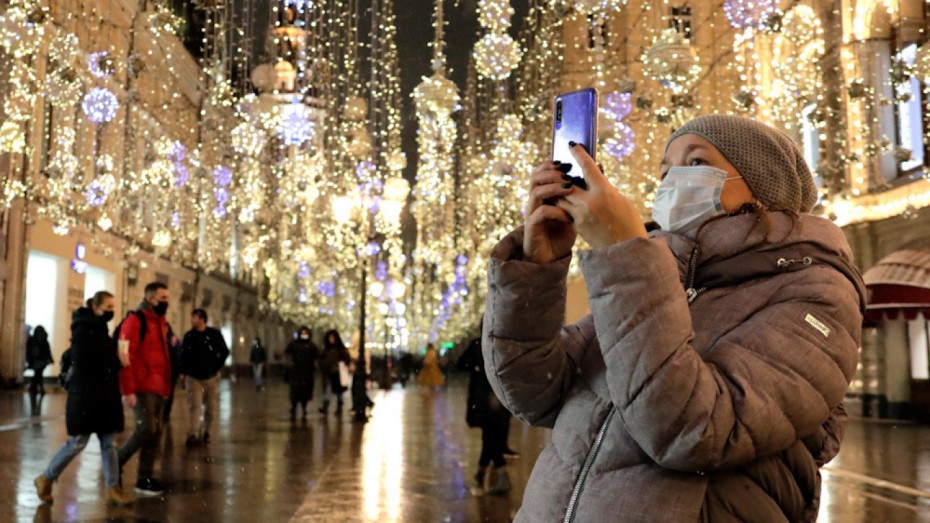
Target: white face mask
x=688, y=197
x=304, y=337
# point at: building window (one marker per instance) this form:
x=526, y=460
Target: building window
x=680, y=19
x=810, y=139
x=597, y=32
x=909, y=117
x=918, y=331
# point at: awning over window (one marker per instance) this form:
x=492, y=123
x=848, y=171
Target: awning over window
x=899, y=284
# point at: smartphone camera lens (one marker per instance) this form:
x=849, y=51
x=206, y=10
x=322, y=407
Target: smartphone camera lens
x=558, y=111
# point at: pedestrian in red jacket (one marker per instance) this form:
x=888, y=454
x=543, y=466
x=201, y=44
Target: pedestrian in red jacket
x=145, y=381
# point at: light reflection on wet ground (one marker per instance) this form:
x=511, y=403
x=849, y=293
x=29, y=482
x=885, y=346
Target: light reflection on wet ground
x=412, y=462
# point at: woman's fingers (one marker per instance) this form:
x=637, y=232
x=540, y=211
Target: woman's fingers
x=551, y=190
x=570, y=207
x=549, y=212
x=592, y=172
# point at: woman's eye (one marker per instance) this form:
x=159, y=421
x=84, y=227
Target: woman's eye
x=662, y=175
x=697, y=161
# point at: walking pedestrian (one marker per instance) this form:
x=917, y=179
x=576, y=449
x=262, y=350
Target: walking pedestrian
x=334, y=354
x=38, y=356
x=708, y=382
x=93, y=404
x=486, y=412
x=203, y=356
x=430, y=373
x=145, y=381
x=258, y=357
x=303, y=354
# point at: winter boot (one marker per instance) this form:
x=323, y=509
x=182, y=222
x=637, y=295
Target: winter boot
x=498, y=483
x=44, y=488
x=116, y=496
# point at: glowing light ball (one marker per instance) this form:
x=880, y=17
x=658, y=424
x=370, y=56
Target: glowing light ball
x=496, y=56
x=100, y=105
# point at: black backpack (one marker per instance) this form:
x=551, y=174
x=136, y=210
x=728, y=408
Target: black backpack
x=143, y=325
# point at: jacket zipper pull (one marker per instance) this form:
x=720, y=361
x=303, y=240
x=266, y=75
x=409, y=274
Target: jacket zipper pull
x=690, y=291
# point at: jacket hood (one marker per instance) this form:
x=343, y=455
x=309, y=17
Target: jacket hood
x=734, y=249
x=84, y=315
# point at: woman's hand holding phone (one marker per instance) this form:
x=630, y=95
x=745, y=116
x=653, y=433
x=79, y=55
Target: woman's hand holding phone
x=600, y=214
x=548, y=231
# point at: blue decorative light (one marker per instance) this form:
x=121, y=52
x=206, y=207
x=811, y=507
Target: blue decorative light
x=618, y=106
x=100, y=64
x=222, y=176
x=96, y=193
x=100, y=105
x=749, y=13
x=295, y=128
x=304, y=271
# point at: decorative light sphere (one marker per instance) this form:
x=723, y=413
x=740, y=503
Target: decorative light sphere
x=496, y=56
x=749, y=13
x=296, y=127
x=495, y=14
x=360, y=144
x=356, y=109
x=100, y=105
x=437, y=94
x=396, y=189
x=397, y=160
x=672, y=61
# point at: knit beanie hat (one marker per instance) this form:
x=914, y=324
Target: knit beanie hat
x=772, y=165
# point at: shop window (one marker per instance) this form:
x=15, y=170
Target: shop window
x=909, y=115
x=918, y=331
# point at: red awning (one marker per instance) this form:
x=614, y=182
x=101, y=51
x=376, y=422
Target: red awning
x=899, y=284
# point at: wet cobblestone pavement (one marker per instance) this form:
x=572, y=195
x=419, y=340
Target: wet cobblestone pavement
x=412, y=462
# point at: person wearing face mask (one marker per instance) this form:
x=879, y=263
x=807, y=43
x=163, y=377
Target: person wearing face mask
x=203, y=356
x=707, y=383
x=302, y=354
x=93, y=405
x=145, y=381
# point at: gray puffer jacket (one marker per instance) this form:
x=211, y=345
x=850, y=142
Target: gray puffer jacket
x=721, y=409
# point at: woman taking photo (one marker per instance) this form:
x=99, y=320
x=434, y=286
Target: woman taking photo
x=707, y=384
x=93, y=405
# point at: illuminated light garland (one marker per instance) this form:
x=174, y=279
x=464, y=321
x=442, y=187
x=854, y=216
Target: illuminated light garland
x=100, y=105
x=63, y=86
x=100, y=64
x=12, y=137
x=749, y=13
x=163, y=21
x=598, y=6
x=622, y=139
x=22, y=28
x=98, y=190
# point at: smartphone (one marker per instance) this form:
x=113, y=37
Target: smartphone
x=575, y=120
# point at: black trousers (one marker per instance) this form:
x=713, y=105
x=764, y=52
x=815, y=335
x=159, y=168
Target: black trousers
x=493, y=444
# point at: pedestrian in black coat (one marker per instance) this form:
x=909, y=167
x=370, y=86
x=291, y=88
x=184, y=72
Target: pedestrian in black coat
x=38, y=356
x=303, y=354
x=486, y=412
x=94, y=402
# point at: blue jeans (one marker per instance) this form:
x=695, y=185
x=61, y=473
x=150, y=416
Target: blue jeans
x=75, y=445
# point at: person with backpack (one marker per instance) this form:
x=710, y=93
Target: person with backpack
x=93, y=405
x=203, y=355
x=145, y=381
